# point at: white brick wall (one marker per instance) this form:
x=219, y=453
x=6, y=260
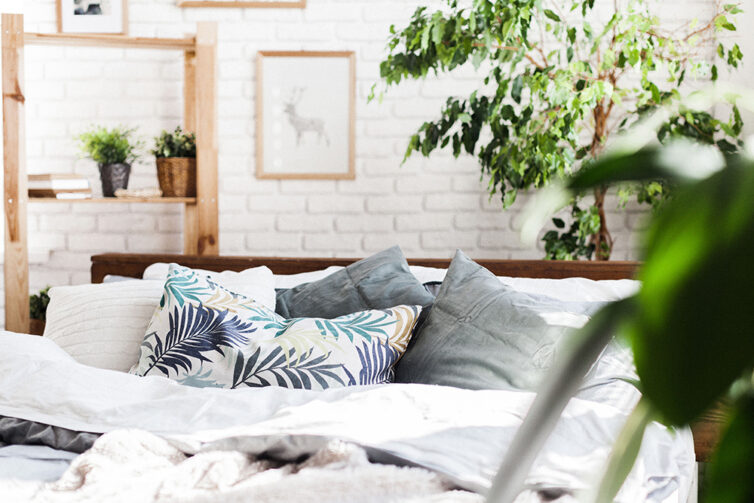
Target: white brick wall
x=428, y=206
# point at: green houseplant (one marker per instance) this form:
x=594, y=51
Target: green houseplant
x=176, y=163
x=114, y=150
x=559, y=81
x=690, y=324
x=38, y=311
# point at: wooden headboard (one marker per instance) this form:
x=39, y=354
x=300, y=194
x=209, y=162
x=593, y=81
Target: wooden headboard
x=706, y=432
x=133, y=265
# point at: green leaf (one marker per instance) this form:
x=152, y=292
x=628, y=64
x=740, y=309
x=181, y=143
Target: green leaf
x=572, y=35
x=681, y=165
x=516, y=88
x=732, y=466
x=464, y=117
x=437, y=32
x=425, y=38
x=701, y=240
x=550, y=14
x=509, y=198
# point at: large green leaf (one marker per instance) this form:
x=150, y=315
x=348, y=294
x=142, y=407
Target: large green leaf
x=680, y=162
x=693, y=335
x=731, y=475
x=692, y=338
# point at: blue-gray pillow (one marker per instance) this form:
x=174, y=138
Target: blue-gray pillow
x=481, y=334
x=377, y=282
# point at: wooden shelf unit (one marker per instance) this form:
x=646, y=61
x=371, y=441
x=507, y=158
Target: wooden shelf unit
x=116, y=200
x=75, y=39
x=199, y=54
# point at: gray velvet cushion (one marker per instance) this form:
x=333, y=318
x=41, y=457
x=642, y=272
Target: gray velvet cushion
x=481, y=334
x=377, y=282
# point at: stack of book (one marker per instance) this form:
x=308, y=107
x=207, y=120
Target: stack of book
x=59, y=186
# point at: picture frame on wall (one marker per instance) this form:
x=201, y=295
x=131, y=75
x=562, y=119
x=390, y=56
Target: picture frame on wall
x=92, y=16
x=256, y=4
x=305, y=114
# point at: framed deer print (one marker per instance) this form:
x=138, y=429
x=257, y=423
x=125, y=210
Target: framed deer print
x=305, y=115
x=92, y=16
x=258, y=4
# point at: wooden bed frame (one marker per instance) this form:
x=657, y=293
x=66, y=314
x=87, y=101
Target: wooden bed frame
x=706, y=431
x=132, y=265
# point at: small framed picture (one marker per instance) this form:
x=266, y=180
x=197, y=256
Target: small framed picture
x=93, y=16
x=256, y=4
x=305, y=114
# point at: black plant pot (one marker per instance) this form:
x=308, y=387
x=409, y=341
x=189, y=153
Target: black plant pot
x=114, y=177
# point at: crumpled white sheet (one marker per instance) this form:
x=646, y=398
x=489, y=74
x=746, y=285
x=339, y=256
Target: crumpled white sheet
x=459, y=434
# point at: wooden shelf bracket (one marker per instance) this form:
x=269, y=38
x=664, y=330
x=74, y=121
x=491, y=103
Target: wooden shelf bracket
x=16, y=266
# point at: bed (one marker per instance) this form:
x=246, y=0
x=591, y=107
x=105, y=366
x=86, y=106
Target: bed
x=103, y=430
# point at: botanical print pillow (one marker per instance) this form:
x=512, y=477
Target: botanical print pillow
x=204, y=335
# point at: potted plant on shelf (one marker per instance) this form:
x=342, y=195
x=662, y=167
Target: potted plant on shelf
x=38, y=311
x=114, y=150
x=176, y=163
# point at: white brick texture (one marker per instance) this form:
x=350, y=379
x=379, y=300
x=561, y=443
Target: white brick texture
x=428, y=206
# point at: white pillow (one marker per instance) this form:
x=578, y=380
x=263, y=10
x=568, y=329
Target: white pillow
x=575, y=289
x=428, y=274
x=257, y=283
x=568, y=289
x=102, y=325
x=294, y=280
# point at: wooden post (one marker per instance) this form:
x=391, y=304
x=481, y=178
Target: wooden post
x=16, y=266
x=206, y=139
x=190, y=223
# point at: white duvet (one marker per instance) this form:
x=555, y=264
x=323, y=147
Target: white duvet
x=459, y=434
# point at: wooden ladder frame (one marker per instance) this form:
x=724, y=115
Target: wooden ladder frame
x=200, y=116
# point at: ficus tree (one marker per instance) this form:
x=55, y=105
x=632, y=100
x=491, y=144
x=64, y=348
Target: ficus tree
x=559, y=77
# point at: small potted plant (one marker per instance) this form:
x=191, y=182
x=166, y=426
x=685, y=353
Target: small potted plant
x=176, y=163
x=113, y=150
x=38, y=311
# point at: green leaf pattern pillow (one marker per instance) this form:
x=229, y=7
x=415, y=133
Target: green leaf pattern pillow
x=204, y=335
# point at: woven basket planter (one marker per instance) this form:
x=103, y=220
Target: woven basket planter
x=177, y=176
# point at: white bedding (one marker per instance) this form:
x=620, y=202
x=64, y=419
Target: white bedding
x=567, y=289
x=459, y=434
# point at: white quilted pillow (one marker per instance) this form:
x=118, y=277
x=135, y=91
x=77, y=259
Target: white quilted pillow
x=102, y=325
x=256, y=283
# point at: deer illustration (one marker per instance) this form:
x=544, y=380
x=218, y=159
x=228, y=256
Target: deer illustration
x=303, y=124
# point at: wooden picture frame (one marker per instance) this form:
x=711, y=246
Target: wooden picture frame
x=272, y=4
x=325, y=135
x=84, y=24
